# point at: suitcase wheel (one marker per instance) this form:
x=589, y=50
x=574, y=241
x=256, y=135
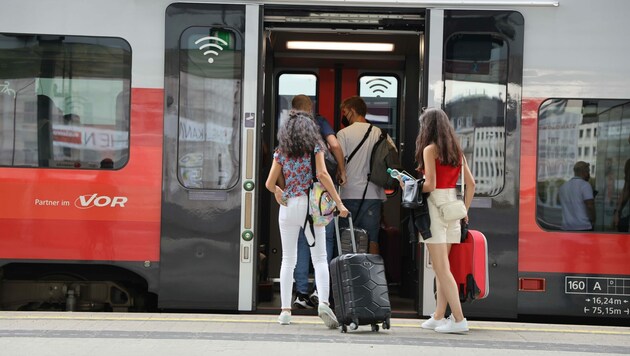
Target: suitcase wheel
x=344, y=329
x=375, y=327
x=386, y=324
x=354, y=326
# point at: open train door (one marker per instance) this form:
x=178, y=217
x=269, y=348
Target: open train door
x=474, y=72
x=210, y=149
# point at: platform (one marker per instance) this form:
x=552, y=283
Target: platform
x=69, y=334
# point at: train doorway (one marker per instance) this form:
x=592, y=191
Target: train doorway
x=389, y=81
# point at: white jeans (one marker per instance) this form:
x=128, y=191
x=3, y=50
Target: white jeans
x=290, y=220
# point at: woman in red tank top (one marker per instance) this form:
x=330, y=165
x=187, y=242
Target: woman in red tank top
x=441, y=159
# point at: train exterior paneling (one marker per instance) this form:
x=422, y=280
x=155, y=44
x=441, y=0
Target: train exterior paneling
x=488, y=127
x=192, y=241
x=560, y=272
x=590, y=295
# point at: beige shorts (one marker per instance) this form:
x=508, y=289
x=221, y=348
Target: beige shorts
x=442, y=231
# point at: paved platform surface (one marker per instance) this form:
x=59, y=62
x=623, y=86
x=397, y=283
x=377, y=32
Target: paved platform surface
x=100, y=334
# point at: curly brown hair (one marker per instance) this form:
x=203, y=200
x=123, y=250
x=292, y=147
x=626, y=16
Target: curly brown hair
x=435, y=127
x=299, y=135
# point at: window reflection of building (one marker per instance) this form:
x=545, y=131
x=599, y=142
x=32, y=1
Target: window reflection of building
x=593, y=131
x=475, y=93
x=479, y=123
x=63, y=111
x=488, y=166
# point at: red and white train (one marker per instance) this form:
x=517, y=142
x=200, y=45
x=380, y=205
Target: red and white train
x=136, y=136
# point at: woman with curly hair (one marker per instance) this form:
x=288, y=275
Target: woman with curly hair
x=298, y=139
x=441, y=159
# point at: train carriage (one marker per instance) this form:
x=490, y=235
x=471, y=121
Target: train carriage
x=136, y=137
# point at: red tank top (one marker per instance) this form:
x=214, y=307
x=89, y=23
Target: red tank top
x=446, y=176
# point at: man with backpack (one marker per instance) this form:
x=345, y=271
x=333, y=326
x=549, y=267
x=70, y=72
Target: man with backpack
x=361, y=195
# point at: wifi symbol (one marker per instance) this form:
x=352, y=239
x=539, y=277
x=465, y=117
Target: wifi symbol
x=211, y=45
x=379, y=86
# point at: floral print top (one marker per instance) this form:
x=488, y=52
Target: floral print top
x=297, y=173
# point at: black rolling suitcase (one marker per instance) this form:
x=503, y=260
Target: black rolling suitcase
x=359, y=288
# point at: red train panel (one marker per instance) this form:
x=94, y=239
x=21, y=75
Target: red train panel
x=65, y=214
x=557, y=251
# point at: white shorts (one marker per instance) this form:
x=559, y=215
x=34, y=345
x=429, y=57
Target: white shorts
x=442, y=231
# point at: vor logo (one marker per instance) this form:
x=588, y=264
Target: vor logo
x=209, y=48
x=88, y=201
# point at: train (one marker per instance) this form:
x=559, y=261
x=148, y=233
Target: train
x=136, y=137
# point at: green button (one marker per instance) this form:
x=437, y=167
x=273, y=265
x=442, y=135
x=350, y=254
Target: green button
x=248, y=186
x=247, y=235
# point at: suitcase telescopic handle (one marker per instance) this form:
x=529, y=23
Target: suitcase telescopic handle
x=352, y=239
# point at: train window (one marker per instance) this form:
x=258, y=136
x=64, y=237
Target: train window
x=64, y=101
x=475, y=98
x=583, y=164
x=290, y=85
x=209, y=107
x=380, y=93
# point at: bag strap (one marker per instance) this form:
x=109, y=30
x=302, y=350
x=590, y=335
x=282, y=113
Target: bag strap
x=370, y=170
x=308, y=220
x=463, y=184
x=360, y=143
x=313, y=168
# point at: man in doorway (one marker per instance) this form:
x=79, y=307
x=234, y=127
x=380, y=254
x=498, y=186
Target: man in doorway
x=361, y=197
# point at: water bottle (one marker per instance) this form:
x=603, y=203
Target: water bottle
x=394, y=173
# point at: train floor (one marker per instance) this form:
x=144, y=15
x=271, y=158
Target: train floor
x=402, y=307
x=100, y=334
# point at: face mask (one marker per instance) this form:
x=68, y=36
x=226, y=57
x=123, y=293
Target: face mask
x=345, y=121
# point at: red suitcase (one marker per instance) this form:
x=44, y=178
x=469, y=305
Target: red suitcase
x=469, y=265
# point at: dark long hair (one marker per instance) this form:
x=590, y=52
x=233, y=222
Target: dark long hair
x=435, y=127
x=299, y=135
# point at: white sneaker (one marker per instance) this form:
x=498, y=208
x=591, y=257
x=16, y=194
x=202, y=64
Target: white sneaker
x=433, y=323
x=284, y=318
x=452, y=326
x=327, y=316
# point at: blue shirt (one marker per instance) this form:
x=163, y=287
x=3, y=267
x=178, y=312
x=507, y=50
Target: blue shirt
x=324, y=127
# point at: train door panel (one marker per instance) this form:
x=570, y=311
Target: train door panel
x=478, y=83
x=211, y=70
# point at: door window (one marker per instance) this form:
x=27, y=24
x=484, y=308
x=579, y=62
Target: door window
x=210, y=72
x=381, y=96
x=290, y=85
x=475, y=99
